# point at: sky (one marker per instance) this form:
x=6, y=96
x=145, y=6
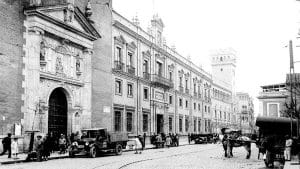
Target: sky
x=258, y=30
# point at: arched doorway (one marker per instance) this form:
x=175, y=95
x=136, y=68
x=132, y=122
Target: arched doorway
x=58, y=113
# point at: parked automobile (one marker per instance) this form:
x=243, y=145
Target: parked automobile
x=97, y=140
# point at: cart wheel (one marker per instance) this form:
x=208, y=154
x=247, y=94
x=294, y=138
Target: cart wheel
x=119, y=149
x=93, y=152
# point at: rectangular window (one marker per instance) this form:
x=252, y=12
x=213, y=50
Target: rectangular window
x=118, y=54
x=225, y=115
x=170, y=124
x=170, y=99
x=199, y=107
x=205, y=109
x=145, y=122
x=129, y=90
x=195, y=125
x=118, y=121
x=220, y=115
x=171, y=76
x=145, y=66
x=159, y=69
x=180, y=125
x=130, y=59
x=186, y=84
x=199, y=125
x=195, y=107
x=118, y=87
x=180, y=81
x=186, y=124
x=195, y=91
x=180, y=102
x=146, y=93
x=208, y=109
x=129, y=120
x=186, y=104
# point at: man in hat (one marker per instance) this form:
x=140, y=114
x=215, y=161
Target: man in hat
x=6, y=142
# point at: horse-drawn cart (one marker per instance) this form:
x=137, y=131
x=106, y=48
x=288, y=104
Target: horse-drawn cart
x=271, y=138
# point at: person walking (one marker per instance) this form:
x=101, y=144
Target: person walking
x=62, y=144
x=15, y=148
x=287, y=151
x=46, y=147
x=38, y=148
x=6, y=142
x=168, y=141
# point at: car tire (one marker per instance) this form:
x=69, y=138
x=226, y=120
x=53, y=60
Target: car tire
x=118, y=149
x=71, y=154
x=93, y=152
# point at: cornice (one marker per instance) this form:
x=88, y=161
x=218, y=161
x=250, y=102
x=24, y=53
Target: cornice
x=61, y=79
x=60, y=24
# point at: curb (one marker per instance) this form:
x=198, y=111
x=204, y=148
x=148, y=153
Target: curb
x=67, y=156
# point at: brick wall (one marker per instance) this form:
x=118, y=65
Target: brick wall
x=11, y=41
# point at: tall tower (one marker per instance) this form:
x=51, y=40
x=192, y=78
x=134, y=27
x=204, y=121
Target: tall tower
x=223, y=64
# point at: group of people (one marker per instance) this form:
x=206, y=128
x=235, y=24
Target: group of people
x=162, y=139
x=10, y=146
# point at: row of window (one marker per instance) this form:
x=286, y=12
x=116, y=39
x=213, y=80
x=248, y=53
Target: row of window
x=118, y=121
x=118, y=89
x=225, y=115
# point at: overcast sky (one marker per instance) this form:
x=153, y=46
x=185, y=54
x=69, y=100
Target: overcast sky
x=258, y=30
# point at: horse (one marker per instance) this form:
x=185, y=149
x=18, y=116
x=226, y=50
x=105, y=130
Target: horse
x=230, y=142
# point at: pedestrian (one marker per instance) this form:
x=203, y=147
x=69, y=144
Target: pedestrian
x=189, y=138
x=141, y=139
x=38, y=148
x=46, y=148
x=138, y=146
x=177, y=139
x=14, y=148
x=52, y=142
x=168, y=141
x=6, y=142
x=62, y=144
x=288, y=145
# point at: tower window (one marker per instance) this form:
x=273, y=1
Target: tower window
x=221, y=69
x=221, y=58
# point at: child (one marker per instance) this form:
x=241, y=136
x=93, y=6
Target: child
x=14, y=148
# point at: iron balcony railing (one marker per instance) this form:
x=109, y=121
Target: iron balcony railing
x=118, y=66
x=146, y=75
x=195, y=94
x=199, y=95
x=161, y=81
x=130, y=70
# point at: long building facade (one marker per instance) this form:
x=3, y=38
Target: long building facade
x=80, y=64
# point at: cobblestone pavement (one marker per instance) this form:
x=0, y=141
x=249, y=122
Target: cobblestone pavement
x=206, y=156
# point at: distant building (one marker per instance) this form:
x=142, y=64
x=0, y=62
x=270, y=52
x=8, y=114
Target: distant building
x=245, y=113
x=272, y=100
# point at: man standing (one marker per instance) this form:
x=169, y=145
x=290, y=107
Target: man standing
x=6, y=142
x=288, y=145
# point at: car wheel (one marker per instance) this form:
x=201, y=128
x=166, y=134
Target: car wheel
x=119, y=149
x=93, y=152
x=71, y=154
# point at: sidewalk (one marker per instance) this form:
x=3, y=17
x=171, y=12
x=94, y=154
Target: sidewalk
x=21, y=157
x=293, y=164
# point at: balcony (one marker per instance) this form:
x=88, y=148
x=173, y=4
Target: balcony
x=118, y=66
x=160, y=81
x=130, y=70
x=187, y=91
x=181, y=89
x=146, y=75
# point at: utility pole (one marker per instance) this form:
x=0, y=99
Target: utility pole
x=291, y=85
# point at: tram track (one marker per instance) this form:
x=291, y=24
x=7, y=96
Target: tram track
x=150, y=159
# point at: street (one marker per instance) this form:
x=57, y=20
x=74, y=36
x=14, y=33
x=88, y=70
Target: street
x=190, y=156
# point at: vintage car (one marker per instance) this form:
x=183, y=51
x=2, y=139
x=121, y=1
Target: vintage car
x=97, y=140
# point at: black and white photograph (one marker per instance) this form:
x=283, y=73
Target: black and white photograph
x=149, y=84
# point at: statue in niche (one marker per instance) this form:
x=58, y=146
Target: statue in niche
x=59, y=67
x=42, y=51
